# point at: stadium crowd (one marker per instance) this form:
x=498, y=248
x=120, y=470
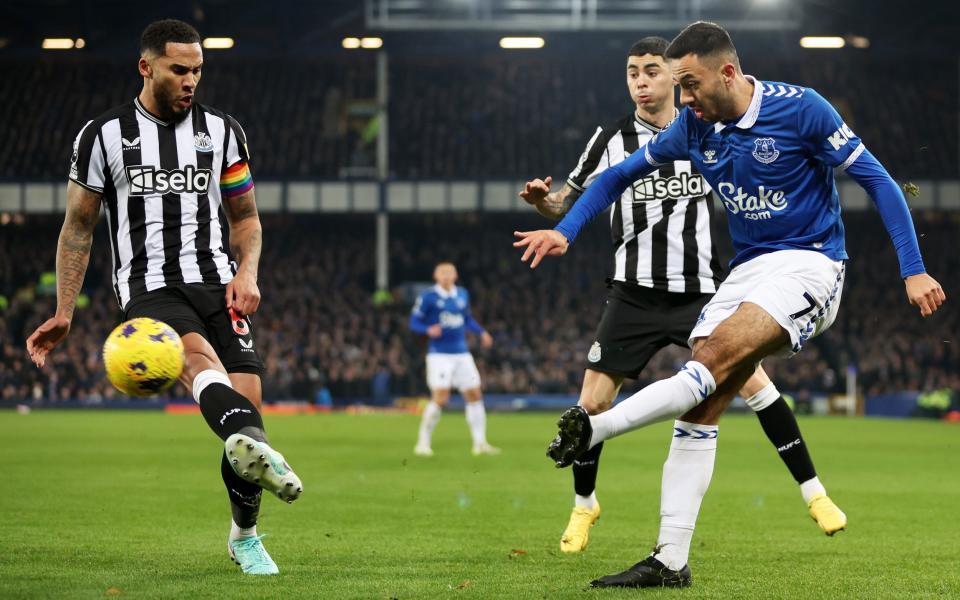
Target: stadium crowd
x=324, y=332
x=504, y=116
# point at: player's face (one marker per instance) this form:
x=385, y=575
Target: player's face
x=649, y=82
x=445, y=275
x=174, y=78
x=704, y=86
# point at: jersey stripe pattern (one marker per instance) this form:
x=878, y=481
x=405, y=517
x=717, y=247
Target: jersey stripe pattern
x=661, y=225
x=163, y=186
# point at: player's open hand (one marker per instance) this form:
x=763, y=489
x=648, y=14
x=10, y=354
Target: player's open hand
x=46, y=337
x=925, y=292
x=243, y=295
x=534, y=192
x=538, y=244
x=435, y=330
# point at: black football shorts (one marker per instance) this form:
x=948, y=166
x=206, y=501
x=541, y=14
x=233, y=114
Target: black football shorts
x=637, y=322
x=202, y=308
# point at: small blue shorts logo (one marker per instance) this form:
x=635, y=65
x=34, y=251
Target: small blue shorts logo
x=764, y=150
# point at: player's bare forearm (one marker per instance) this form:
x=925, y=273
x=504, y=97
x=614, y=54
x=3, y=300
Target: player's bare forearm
x=557, y=204
x=73, y=247
x=246, y=234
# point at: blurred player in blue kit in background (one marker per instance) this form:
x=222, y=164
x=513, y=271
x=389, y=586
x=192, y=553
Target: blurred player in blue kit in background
x=442, y=313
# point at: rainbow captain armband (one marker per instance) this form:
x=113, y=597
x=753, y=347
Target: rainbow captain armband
x=236, y=180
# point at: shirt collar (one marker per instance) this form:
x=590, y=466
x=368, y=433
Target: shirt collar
x=146, y=113
x=648, y=124
x=444, y=293
x=749, y=118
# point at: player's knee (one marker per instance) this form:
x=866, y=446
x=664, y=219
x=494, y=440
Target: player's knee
x=594, y=405
x=440, y=397
x=707, y=412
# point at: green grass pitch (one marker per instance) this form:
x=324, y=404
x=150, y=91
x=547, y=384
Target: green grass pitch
x=129, y=504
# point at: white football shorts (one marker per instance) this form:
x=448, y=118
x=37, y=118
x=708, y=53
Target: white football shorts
x=800, y=289
x=448, y=371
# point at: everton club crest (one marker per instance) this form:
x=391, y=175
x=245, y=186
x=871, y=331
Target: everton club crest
x=764, y=150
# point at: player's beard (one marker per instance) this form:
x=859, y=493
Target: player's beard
x=167, y=102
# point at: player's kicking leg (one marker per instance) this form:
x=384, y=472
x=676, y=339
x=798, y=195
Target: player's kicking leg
x=780, y=425
x=596, y=396
x=249, y=463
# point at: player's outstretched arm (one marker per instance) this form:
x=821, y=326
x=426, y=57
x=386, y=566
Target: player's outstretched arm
x=922, y=290
x=73, y=255
x=246, y=241
x=552, y=205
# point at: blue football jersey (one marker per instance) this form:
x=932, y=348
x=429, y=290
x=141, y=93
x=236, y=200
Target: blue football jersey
x=773, y=170
x=451, y=310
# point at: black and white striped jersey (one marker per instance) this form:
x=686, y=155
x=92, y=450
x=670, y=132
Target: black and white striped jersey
x=161, y=186
x=661, y=225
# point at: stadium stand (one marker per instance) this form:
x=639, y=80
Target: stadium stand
x=501, y=117
x=321, y=328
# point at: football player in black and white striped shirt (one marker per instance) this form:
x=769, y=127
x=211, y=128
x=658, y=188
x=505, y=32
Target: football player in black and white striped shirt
x=172, y=175
x=665, y=270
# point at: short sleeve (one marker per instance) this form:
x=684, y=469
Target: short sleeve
x=87, y=161
x=825, y=135
x=237, y=149
x=671, y=143
x=592, y=162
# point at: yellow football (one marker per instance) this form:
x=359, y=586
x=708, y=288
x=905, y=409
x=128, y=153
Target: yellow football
x=143, y=356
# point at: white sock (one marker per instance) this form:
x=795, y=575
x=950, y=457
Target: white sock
x=686, y=477
x=811, y=488
x=585, y=501
x=205, y=378
x=764, y=398
x=237, y=532
x=431, y=415
x=658, y=401
x=477, y=421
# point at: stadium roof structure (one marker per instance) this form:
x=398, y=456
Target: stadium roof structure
x=317, y=26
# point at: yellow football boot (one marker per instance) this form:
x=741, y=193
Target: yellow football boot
x=827, y=515
x=576, y=536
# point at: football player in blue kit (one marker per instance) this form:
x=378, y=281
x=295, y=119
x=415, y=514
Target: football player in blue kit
x=442, y=313
x=768, y=149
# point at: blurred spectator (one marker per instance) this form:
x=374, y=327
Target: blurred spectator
x=322, y=330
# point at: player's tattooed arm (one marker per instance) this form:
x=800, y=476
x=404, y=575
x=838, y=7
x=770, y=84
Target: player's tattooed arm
x=246, y=240
x=550, y=205
x=558, y=204
x=246, y=234
x=73, y=248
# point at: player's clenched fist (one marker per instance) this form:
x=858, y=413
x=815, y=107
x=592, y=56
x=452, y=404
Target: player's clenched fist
x=541, y=243
x=925, y=292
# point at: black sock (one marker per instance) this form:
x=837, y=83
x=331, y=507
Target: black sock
x=781, y=428
x=227, y=412
x=244, y=496
x=585, y=471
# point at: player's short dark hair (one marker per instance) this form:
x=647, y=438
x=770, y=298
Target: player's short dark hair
x=703, y=39
x=652, y=45
x=155, y=37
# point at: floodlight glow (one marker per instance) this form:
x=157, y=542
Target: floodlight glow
x=812, y=41
x=57, y=44
x=517, y=43
x=371, y=43
x=80, y=43
x=351, y=42
x=218, y=43
x=858, y=41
